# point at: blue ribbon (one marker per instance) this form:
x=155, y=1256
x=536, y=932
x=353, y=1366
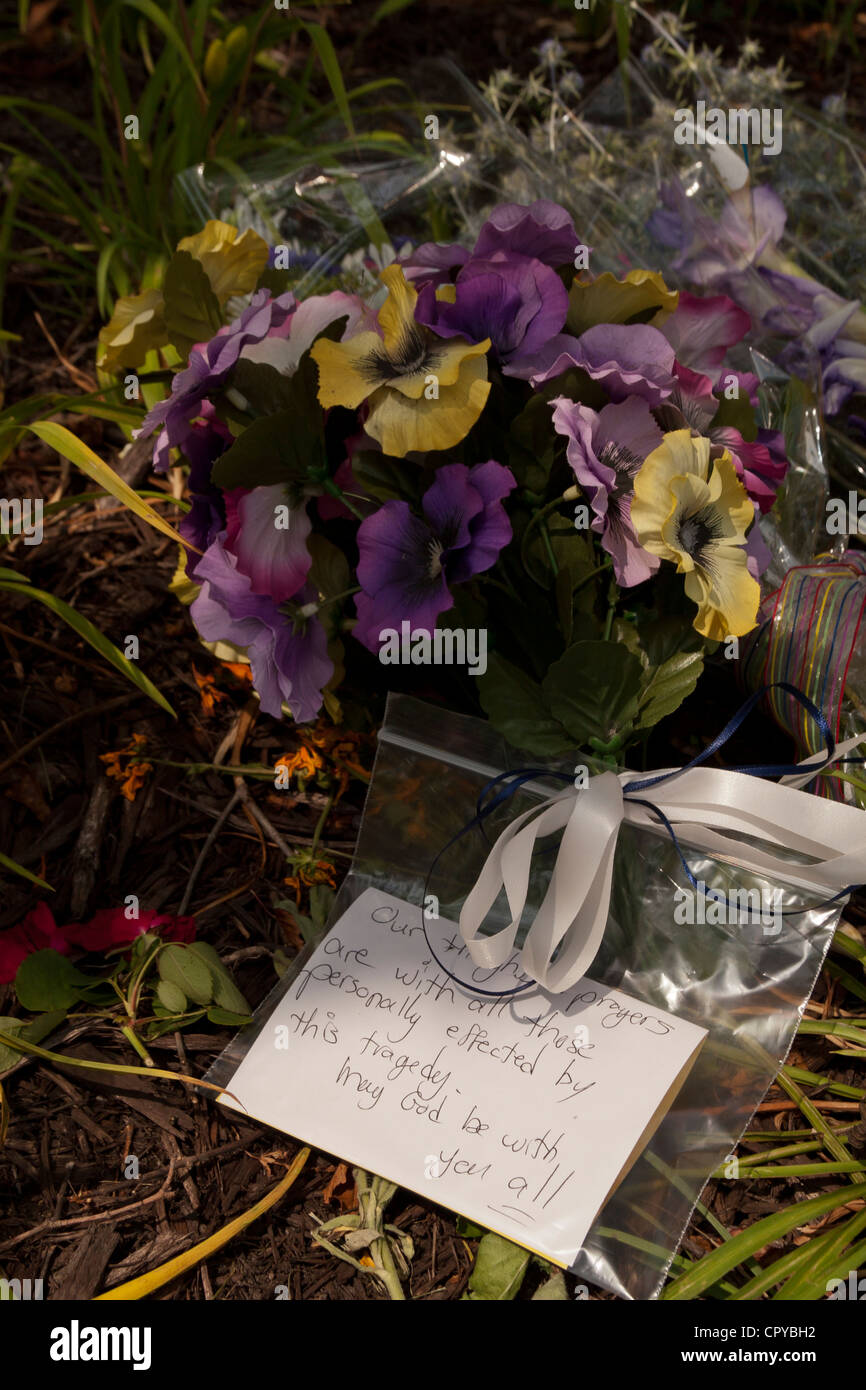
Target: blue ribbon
x=502, y=787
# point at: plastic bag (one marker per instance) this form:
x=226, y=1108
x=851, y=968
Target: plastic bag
x=745, y=984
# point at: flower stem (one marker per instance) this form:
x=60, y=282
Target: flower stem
x=310, y=608
x=320, y=823
x=336, y=491
x=139, y=1046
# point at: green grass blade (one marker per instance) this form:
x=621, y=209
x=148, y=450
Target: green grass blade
x=14, y=868
x=722, y=1260
x=164, y=24
x=100, y=643
x=788, y=1265
x=331, y=65
x=72, y=448
x=809, y=1281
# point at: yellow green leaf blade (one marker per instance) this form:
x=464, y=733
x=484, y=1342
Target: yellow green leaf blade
x=15, y=868
x=91, y=634
x=79, y=453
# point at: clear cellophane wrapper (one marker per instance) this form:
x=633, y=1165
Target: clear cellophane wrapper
x=745, y=985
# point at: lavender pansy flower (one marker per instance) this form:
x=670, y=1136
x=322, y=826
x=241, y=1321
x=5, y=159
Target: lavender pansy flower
x=542, y=230
x=516, y=301
x=606, y=449
x=432, y=263
x=310, y=318
x=626, y=359
x=270, y=544
x=407, y=562
x=289, y=664
x=209, y=365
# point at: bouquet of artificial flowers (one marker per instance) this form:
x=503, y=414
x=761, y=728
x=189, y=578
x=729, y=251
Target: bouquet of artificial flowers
x=495, y=442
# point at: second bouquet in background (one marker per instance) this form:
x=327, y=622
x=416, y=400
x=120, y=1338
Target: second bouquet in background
x=495, y=460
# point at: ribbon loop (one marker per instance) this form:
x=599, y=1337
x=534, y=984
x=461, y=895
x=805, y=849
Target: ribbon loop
x=712, y=808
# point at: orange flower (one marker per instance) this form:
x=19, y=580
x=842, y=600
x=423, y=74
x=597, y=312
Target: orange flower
x=303, y=764
x=210, y=696
x=241, y=670
x=311, y=874
x=128, y=766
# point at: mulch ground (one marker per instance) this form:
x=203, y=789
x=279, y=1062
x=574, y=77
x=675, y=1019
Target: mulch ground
x=68, y=1214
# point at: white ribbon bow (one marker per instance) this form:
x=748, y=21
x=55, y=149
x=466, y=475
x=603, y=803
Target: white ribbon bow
x=712, y=807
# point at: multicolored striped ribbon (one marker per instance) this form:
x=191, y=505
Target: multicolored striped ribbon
x=806, y=636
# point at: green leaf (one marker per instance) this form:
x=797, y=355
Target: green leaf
x=227, y=1018
x=552, y=1288
x=186, y=969
x=667, y=687
x=384, y=477
x=46, y=980
x=96, y=639
x=192, y=311
x=713, y=1266
x=225, y=992
x=531, y=445
x=8, y=1056
x=593, y=690
x=267, y=390
x=34, y=1032
x=468, y=1229
x=171, y=997
x=662, y=638
x=515, y=705
x=280, y=448
x=329, y=571
x=40, y=1027
x=499, y=1269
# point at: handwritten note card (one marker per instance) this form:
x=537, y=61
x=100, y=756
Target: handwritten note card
x=521, y=1113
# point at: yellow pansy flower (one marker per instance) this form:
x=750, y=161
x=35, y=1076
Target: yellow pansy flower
x=424, y=392
x=693, y=510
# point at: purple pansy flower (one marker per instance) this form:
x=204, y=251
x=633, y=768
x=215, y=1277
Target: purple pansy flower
x=288, y=664
x=626, y=359
x=517, y=302
x=209, y=364
x=432, y=263
x=542, y=230
x=407, y=563
x=257, y=562
x=201, y=446
x=606, y=449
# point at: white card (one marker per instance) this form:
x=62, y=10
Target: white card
x=520, y=1113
